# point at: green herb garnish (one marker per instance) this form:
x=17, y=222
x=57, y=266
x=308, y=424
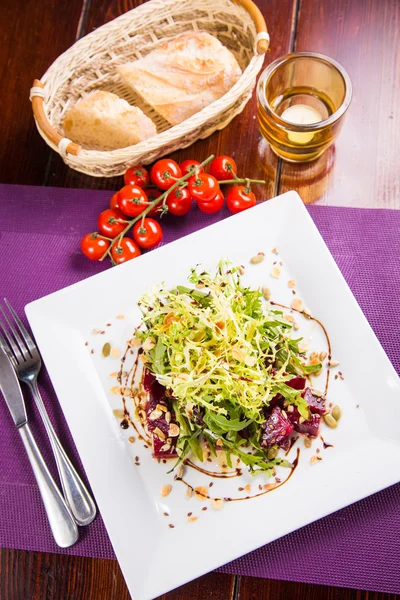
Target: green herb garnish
x=224, y=355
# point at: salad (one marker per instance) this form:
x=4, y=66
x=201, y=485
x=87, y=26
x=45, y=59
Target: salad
x=224, y=371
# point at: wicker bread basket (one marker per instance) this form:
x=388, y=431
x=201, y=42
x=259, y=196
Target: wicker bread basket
x=91, y=64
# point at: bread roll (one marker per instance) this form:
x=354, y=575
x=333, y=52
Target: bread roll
x=183, y=75
x=103, y=121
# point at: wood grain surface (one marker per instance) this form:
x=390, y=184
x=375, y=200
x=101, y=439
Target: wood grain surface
x=33, y=34
x=363, y=169
x=240, y=140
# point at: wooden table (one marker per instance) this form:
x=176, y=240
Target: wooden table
x=363, y=169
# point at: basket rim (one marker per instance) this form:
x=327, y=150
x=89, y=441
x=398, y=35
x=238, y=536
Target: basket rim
x=173, y=133
x=147, y=7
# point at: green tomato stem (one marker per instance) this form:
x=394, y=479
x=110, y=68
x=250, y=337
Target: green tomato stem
x=239, y=180
x=154, y=203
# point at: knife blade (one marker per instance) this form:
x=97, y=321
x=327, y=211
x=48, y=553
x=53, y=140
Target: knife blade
x=11, y=390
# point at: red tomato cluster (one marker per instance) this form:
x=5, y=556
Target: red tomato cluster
x=142, y=188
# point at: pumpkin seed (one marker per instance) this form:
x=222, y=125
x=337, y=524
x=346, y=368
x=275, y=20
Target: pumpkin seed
x=307, y=442
x=257, y=259
x=330, y=421
x=106, y=349
x=336, y=412
x=272, y=453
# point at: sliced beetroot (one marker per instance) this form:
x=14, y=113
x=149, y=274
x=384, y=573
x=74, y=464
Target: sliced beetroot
x=310, y=427
x=276, y=428
x=315, y=403
x=157, y=396
x=285, y=444
x=277, y=400
x=151, y=385
x=297, y=383
x=158, y=453
x=148, y=380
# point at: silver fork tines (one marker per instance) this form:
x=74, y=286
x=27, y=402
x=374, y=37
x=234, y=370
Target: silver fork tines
x=30, y=344
x=27, y=363
x=11, y=348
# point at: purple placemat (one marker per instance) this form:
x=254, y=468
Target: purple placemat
x=40, y=229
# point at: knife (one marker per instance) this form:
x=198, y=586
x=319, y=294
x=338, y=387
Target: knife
x=62, y=523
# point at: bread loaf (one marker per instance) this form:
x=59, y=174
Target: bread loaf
x=183, y=75
x=103, y=121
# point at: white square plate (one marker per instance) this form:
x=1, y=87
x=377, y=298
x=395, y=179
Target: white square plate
x=366, y=455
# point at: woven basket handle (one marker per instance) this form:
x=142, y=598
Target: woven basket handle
x=259, y=22
x=64, y=145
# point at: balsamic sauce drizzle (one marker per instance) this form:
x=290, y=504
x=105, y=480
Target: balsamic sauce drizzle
x=328, y=341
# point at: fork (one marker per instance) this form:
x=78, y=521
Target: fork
x=27, y=364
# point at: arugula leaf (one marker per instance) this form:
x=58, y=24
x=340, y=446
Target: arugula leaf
x=223, y=424
x=203, y=297
x=294, y=397
x=210, y=443
x=305, y=369
x=195, y=445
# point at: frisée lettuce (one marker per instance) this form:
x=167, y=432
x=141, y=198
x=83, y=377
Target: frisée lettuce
x=226, y=357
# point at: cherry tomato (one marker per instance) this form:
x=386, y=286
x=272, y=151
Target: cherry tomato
x=137, y=176
x=179, y=201
x=93, y=246
x=152, y=194
x=223, y=167
x=114, y=202
x=147, y=233
x=109, y=222
x=165, y=172
x=125, y=250
x=203, y=187
x=189, y=166
x=240, y=198
x=213, y=206
x=132, y=200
